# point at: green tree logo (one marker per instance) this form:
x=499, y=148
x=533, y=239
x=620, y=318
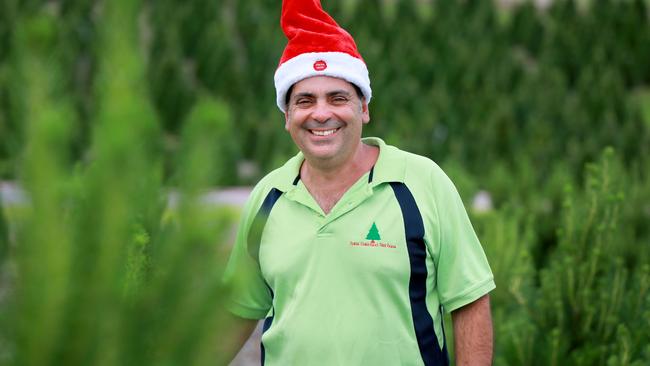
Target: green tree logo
x=373, y=233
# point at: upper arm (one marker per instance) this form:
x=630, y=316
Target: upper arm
x=477, y=308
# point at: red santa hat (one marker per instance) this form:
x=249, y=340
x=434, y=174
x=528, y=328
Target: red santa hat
x=316, y=46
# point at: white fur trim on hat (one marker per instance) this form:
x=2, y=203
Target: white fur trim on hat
x=338, y=64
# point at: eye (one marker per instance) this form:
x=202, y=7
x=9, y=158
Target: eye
x=339, y=99
x=303, y=102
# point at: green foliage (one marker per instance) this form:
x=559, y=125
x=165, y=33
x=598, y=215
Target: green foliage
x=481, y=84
x=508, y=238
x=101, y=278
x=4, y=238
x=209, y=123
x=588, y=303
x=587, y=293
x=107, y=105
x=10, y=126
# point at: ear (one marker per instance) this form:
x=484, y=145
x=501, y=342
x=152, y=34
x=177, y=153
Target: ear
x=286, y=120
x=365, y=111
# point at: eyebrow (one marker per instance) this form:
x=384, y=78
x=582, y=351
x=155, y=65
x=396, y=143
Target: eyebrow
x=303, y=94
x=329, y=94
x=339, y=92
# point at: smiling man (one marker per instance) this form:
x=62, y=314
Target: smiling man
x=353, y=250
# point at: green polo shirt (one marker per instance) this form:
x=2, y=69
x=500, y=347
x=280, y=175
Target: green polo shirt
x=365, y=284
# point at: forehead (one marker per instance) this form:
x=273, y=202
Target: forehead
x=322, y=84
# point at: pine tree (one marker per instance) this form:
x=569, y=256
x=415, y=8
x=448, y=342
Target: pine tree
x=373, y=234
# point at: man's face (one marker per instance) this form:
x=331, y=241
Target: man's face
x=324, y=118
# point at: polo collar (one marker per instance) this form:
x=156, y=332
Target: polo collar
x=390, y=167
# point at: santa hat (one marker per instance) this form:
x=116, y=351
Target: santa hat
x=316, y=46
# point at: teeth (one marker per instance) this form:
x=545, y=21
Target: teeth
x=323, y=133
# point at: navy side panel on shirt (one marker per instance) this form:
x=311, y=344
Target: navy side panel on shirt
x=265, y=327
x=430, y=350
x=254, y=241
x=255, y=233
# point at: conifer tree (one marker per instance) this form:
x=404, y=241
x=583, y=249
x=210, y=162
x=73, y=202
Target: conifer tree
x=373, y=234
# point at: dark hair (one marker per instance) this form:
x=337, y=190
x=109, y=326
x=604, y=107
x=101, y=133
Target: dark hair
x=287, y=96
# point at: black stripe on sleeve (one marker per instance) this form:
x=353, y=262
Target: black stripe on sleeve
x=255, y=233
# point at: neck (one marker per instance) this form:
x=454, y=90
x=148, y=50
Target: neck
x=328, y=182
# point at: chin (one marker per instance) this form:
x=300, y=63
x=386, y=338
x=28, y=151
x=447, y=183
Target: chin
x=321, y=156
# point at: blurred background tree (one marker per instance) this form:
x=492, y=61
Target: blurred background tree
x=106, y=107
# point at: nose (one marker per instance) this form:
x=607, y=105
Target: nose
x=322, y=112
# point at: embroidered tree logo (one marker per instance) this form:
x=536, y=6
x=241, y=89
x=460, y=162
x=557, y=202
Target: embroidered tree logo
x=373, y=234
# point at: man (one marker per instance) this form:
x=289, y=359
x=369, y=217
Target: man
x=352, y=250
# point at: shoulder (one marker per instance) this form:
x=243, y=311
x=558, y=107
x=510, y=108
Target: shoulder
x=430, y=186
x=419, y=173
x=421, y=170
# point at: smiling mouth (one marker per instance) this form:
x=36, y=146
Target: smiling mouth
x=324, y=132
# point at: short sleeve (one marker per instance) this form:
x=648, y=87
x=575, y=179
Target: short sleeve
x=248, y=293
x=463, y=273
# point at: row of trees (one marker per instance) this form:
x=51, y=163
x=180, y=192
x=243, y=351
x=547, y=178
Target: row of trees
x=104, y=105
x=513, y=82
